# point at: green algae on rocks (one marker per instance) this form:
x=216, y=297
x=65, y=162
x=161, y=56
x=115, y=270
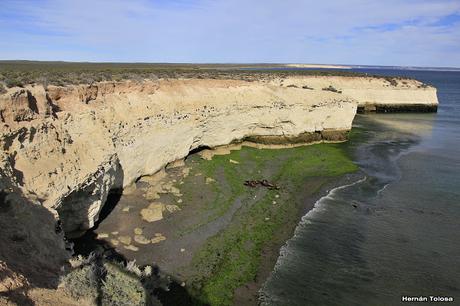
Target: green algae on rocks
x=266, y=217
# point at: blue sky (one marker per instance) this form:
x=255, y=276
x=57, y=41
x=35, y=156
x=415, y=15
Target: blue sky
x=390, y=32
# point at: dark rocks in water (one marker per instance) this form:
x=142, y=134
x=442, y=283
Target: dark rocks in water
x=264, y=183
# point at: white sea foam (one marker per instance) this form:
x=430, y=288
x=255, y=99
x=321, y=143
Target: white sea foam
x=382, y=189
x=320, y=204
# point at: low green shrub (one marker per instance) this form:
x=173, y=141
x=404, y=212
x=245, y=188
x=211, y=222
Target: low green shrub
x=14, y=83
x=102, y=282
x=82, y=284
x=121, y=288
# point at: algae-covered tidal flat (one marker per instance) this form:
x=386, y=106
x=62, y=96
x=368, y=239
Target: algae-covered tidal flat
x=220, y=238
x=264, y=220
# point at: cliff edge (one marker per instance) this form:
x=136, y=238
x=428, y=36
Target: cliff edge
x=67, y=147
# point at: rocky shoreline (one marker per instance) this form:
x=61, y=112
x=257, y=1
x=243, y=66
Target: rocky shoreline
x=66, y=148
x=249, y=293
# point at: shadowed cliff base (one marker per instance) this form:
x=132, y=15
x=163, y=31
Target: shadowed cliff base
x=32, y=248
x=398, y=108
x=301, y=139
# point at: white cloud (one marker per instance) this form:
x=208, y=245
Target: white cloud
x=235, y=31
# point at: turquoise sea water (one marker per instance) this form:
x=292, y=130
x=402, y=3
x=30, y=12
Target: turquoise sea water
x=397, y=231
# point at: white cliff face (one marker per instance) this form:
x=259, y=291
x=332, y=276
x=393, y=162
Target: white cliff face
x=377, y=92
x=67, y=147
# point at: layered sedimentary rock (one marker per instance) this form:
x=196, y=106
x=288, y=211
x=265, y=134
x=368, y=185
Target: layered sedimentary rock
x=67, y=147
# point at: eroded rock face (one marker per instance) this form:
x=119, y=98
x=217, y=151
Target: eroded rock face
x=69, y=146
x=79, y=208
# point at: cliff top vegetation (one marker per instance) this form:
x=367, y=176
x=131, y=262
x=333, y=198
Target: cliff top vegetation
x=21, y=73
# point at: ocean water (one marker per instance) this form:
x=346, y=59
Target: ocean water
x=394, y=233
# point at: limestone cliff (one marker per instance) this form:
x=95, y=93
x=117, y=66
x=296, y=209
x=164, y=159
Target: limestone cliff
x=377, y=94
x=67, y=147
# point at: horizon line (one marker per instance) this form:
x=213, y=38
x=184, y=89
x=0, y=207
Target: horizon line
x=232, y=63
